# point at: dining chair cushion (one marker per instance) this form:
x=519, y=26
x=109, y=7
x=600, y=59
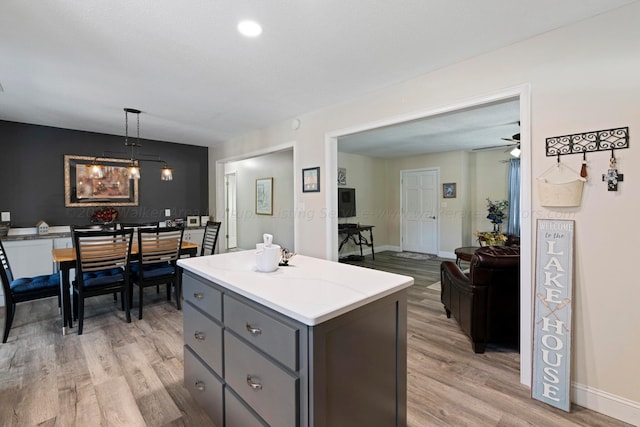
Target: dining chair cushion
x=103, y=277
x=27, y=284
x=153, y=270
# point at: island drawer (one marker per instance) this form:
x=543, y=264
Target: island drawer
x=237, y=414
x=203, y=385
x=204, y=336
x=271, y=335
x=270, y=390
x=202, y=295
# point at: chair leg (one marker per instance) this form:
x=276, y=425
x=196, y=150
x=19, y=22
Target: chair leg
x=75, y=306
x=8, y=320
x=169, y=291
x=127, y=303
x=140, y=300
x=80, y=304
x=178, y=293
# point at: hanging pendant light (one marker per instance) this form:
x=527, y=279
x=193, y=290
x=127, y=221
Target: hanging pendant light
x=96, y=170
x=166, y=173
x=133, y=170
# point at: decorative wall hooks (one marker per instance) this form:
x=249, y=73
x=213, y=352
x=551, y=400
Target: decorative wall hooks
x=600, y=140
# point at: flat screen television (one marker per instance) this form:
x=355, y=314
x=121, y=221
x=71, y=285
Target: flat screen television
x=346, y=202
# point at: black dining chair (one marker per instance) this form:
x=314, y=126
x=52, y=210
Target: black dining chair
x=158, y=252
x=210, y=238
x=94, y=227
x=102, y=267
x=153, y=225
x=23, y=289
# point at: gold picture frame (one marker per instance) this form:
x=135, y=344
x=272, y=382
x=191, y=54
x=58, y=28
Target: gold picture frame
x=114, y=189
x=449, y=190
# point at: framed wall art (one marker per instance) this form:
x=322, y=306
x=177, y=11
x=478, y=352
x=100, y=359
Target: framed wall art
x=113, y=189
x=342, y=176
x=311, y=180
x=264, y=196
x=449, y=190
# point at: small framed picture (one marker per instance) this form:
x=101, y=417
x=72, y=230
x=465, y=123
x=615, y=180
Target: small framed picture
x=449, y=190
x=203, y=220
x=193, y=221
x=264, y=196
x=311, y=180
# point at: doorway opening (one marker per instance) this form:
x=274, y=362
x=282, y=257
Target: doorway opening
x=522, y=95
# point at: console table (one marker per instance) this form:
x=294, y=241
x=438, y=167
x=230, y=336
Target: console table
x=354, y=232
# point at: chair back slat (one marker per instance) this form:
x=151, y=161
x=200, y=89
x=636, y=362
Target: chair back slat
x=161, y=245
x=102, y=250
x=210, y=238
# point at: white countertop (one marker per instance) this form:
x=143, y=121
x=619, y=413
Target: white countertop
x=310, y=290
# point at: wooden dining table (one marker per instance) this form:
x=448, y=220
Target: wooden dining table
x=65, y=260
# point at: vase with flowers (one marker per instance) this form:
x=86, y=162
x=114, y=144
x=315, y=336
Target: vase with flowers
x=104, y=215
x=495, y=212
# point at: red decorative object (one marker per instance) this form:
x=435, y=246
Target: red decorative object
x=105, y=215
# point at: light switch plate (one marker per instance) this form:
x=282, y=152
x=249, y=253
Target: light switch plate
x=6, y=216
x=167, y=212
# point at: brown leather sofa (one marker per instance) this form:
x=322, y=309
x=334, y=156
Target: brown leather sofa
x=485, y=301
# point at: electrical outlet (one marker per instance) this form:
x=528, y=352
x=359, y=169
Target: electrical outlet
x=167, y=212
x=6, y=216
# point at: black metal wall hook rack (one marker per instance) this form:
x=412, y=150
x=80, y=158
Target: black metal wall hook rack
x=600, y=140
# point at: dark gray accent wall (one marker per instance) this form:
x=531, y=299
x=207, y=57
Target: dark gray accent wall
x=32, y=175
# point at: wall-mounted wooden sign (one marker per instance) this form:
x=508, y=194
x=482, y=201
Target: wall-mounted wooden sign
x=551, y=382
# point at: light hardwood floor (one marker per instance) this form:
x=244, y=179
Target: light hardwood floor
x=121, y=374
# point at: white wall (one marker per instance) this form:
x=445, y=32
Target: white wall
x=251, y=226
x=583, y=78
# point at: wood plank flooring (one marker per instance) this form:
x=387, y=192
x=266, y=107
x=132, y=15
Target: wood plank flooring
x=131, y=374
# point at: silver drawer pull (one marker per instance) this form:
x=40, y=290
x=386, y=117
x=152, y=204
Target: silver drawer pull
x=200, y=336
x=252, y=330
x=254, y=385
x=200, y=385
x=198, y=295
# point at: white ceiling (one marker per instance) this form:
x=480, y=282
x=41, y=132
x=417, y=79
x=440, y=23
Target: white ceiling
x=77, y=64
x=470, y=129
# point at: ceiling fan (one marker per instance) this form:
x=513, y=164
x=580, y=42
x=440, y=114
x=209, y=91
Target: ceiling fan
x=514, y=142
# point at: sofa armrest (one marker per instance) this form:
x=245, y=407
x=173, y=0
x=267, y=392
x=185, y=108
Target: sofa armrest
x=452, y=271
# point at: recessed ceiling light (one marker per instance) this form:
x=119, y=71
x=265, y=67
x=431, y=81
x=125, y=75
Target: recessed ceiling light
x=249, y=28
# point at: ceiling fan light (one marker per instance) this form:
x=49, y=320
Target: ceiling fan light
x=516, y=151
x=166, y=173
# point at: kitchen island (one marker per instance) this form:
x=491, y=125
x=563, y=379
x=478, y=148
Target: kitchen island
x=316, y=343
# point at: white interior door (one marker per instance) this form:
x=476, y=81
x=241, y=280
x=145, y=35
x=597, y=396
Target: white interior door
x=231, y=212
x=419, y=211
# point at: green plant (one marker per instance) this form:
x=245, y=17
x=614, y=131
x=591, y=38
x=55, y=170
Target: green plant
x=491, y=238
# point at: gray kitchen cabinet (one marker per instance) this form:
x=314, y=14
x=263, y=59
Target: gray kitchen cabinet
x=250, y=365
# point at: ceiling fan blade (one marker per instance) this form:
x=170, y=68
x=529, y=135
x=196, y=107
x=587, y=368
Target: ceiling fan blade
x=494, y=147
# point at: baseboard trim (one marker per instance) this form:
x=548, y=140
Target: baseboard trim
x=606, y=403
x=444, y=254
